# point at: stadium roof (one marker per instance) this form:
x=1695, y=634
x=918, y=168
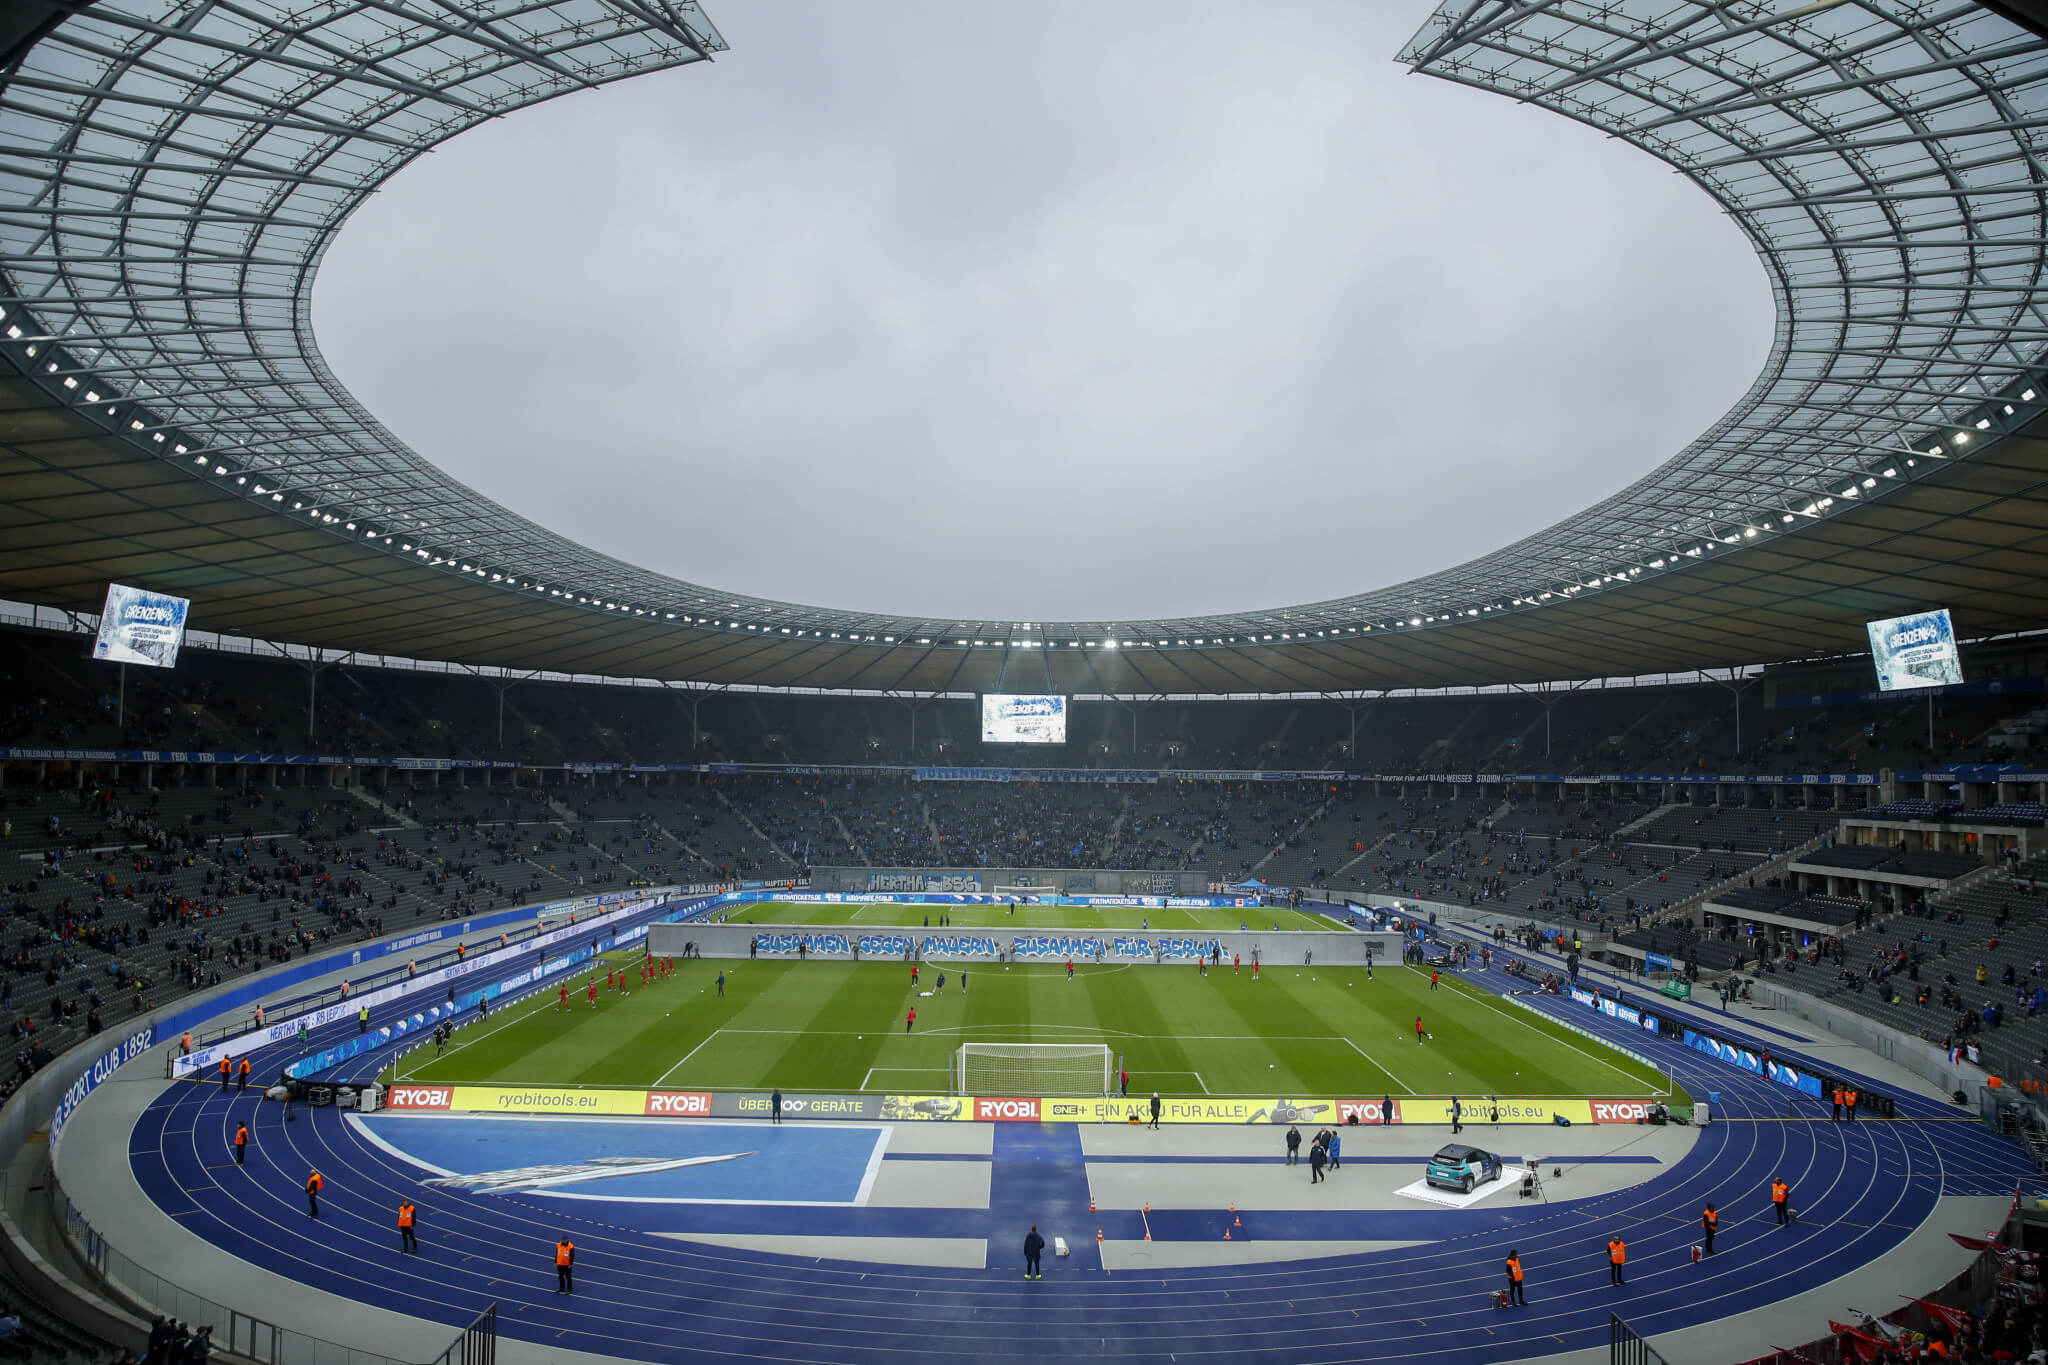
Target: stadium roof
x=173, y=170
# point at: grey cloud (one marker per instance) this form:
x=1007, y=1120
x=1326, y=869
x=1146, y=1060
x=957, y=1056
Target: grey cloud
x=1068, y=311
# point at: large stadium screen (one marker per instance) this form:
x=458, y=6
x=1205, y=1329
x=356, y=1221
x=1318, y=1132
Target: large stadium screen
x=1915, y=651
x=141, y=627
x=1007, y=718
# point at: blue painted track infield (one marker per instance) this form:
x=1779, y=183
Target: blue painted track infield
x=1861, y=1190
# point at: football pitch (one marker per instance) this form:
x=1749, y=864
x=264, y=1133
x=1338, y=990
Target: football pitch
x=841, y=1027
x=1023, y=918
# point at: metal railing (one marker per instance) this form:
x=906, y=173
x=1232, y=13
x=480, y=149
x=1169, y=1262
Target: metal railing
x=476, y=1345
x=1625, y=1347
x=234, y=1331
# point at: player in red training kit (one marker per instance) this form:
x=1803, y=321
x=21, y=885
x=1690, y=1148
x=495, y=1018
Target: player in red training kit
x=593, y=992
x=565, y=996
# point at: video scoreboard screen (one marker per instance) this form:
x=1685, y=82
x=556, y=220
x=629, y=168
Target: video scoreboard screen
x=1915, y=651
x=1012, y=718
x=138, y=626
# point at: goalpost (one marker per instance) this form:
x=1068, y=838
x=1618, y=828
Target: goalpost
x=1029, y=894
x=1033, y=1069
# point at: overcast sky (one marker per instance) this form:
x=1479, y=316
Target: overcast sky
x=1044, y=312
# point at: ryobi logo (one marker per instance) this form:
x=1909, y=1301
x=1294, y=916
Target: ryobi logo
x=1006, y=1111
x=419, y=1097
x=679, y=1103
x=1620, y=1111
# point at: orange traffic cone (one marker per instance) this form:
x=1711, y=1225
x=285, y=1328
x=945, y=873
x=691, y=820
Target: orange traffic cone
x=1226, y=1234
x=1235, y=1221
x=1098, y=1234
x=1091, y=1203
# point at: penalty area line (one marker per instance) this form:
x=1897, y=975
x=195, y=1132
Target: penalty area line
x=686, y=1057
x=1383, y=1070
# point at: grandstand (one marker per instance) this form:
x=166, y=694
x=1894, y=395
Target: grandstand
x=406, y=779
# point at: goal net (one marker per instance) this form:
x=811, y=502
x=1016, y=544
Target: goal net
x=1033, y=1069
x=1028, y=894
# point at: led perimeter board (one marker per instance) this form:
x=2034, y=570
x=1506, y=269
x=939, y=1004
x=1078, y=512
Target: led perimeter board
x=1915, y=651
x=1007, y=718
x=138, y=626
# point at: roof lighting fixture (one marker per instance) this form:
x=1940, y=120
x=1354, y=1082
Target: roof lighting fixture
x=1961, y=438
x=1983, y=423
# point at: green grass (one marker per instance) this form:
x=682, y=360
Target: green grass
x=885, y=915
x=839, y=1026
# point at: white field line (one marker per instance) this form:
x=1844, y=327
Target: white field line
x=686, y=1057
x=525, y=1009
x=1375, y=1061
x=1070, y=1028
x=1196, y=1074
x=947, y=1071
x=1505, y=1013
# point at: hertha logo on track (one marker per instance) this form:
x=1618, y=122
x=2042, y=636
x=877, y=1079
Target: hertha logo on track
x=419, y=1097
x=678, y=1104
x=1006, y=1111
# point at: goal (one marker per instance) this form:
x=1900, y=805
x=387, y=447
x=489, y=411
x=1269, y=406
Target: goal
x=1033, y=1069
x=1029, y=894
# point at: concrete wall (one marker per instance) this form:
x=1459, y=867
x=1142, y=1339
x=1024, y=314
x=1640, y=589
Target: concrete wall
x=1924, y=1059
x=1277, y=949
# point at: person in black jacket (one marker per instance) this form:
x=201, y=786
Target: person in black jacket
x=1293, y=1146
x=1034, y=1247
